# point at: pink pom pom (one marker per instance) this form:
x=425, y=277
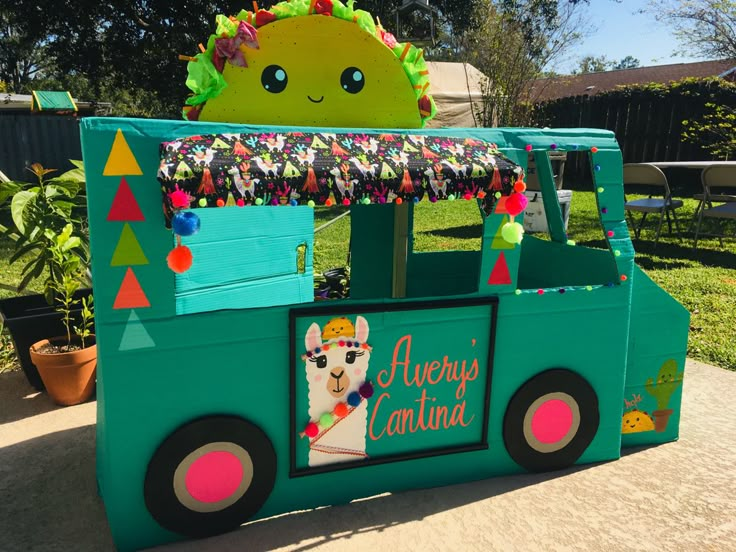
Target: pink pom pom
x=528, y=147
x=179, y=199
x=516, y=203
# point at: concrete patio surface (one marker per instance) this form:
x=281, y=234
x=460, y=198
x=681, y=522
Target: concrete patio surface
x=672, y=497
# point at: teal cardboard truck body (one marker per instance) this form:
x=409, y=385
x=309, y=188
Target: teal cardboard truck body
x=226, y=394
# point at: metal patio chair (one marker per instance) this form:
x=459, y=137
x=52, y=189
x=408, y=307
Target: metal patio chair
x=717, y=180
x=651, y=177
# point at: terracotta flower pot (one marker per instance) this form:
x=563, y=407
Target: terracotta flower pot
x=69, y=377
x=661, y=417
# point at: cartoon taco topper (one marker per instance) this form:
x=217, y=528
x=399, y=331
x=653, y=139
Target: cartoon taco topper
x=308, y=62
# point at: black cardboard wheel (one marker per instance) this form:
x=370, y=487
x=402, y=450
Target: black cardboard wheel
x=551, y=420
x=209, y=476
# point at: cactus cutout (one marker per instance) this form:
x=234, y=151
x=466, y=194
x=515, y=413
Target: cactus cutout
x=668, y=380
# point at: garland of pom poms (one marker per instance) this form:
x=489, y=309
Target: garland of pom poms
x=316, y=429
x=183, y=223
x=516, y=202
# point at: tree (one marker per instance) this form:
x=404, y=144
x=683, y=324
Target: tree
x=705, y=28
x=629, y=62
x=512, y=42
x=715, y=132
x=592, y=64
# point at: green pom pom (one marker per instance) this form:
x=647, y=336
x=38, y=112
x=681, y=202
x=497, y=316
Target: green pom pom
x=589, y=288
x=203, y=202
x=617, y=253
x=570, y=242
x=517, y=292
x=498, y=195
x=259, y=201
x=310, y=203
x=512, y=232
x=451, y=197
x=601, y=189
x=366, y=201
x=325, y=420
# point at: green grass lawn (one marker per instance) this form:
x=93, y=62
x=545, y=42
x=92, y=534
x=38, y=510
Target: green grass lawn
x=703, y=281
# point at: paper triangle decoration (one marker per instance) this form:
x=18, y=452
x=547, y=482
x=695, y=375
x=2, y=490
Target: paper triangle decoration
x=135, y=335
x=130, y=295
x=318, y=144
x=387, y=172
x=219, y=144
x=409, y=147
x=500, y=273
x=121, y=161
x=290, y=171
x=498, y=241
x=501, y=206
x=124, y=206
x=128, y=251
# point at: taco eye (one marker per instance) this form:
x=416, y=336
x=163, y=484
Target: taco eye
x=352, y=80
x=274, y=79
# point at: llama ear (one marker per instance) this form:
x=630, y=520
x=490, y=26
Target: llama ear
x=313, y=339
x=361, y=329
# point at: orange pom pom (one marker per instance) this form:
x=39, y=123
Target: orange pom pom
x=481, y=194
x=220, y=203
x=398, y=201
x=341, y=410
x=594, y=149
x=179, y=259
x=519, y=186
x=328, y=202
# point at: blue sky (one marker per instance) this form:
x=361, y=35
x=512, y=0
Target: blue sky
x=622, y=32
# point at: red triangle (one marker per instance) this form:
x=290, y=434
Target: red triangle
x=500, y=273
x=130, y=294
x=124, y=207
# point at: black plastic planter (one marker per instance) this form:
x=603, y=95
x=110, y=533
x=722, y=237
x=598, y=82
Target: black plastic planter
x=29, y=318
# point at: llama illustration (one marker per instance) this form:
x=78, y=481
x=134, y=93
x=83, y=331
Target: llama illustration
x=342, y=180
x=458, y=168
x=368, y=145
x=202, y=156
x=163, y=169
x=268, y=167
x=305, y=157
x=337, y=361
x=274, y=143
x=243, y=182
x=437, y=180
x=455, y=149
x=364, y=166
x=416, y=140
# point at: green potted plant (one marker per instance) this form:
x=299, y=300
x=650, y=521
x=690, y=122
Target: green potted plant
x=67, y=363
x=44, y=204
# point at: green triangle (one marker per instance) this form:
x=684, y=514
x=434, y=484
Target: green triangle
x=135, y=335
x=409, y=147
x=183, y=172
x=290, y=171
x=387, y=172
x=318, y=144
x=219, y=144
x=498, y=241
x=128, y=251
x=478, y=171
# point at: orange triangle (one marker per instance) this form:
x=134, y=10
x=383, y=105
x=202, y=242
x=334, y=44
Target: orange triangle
x=121, y=161
x=130, y=295
x=500, y=273
x=501, y=206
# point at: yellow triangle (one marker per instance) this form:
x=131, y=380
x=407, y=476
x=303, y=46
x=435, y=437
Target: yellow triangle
x=121, y=161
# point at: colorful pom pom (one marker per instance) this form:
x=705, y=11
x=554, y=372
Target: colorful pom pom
x=594, y=149
x=516, y=203
x=354, y=399
x=468, y=197
x=328, y=202
x=601, y=189
x=366, y=390
x=610, y=233
x=519, y=186
x=604, y=210
x=179, y=259
x=240, y=202
x=259, y=201
x=310, y=203
x=512, y=232
x=617, y=253
x=340, y=410
x=185, y=223
x=346, y=201
x=220, y=202
x=202, y=202
x=311, y=430
x=398, y=201
x=597, y=167
x=179, y=199
x=481, y=194
x=624, y=277
x=293, y=203
x=553, y=146
x=517, y=292
x=451, y=197
x=528, y=147
x=326, y=420
x=366, y=201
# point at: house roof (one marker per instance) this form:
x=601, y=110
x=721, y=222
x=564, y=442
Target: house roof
x=593, y=83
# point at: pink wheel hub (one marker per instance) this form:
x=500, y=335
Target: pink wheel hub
x=552, y=421
x=214, y=476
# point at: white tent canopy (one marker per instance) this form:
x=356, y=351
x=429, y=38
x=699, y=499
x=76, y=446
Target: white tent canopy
x=457, y=91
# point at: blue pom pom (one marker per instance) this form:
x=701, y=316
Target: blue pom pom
x=185, y=224
x=354, y=398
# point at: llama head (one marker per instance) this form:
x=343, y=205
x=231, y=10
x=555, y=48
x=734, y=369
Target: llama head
x=336, y=359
